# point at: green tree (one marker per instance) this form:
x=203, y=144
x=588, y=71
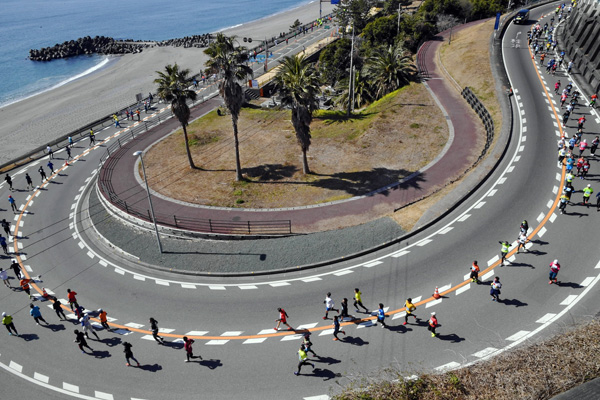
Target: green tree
x=173, y=85
x=229, y=60
x=362, y=91
x=355, y=12
x=334, y=61
x=389, y=70
x=298, y=85
x=381, y=31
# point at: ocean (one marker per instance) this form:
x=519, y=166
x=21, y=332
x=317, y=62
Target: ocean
x=33, y=24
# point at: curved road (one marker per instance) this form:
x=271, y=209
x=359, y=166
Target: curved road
x=233, y=319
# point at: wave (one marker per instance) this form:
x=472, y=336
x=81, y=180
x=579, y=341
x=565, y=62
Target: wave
x=88, y=71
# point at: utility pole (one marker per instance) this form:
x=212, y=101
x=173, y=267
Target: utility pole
x=266, y=55
x=399, y=9
x=350, y=84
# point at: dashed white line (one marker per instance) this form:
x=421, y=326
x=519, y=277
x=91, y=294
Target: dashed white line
x=464, y=217
x=196, y=333
x=510, y=169
x=102, y=395
x=139, y=278
x=493, y=260
x=444, y=288
x=501, y=181
x=161, y=282
x=552, y=217
x=15, y=366
x=28, y=268
x=290, y=337
x=232, y=333
x=542, y=232
x=90, y=254
x=424, y=242
x=549, y=203
x=40, y=377
x=344, y=272
x=254, y=341
x=71, y=388
x=312, y=279
x=119, y=271
x=521, y=148
x=555, y=189
x=217, y=342
x=484, y=352
x=399, y=315
x=488, y=275
x=248, y=287
x=306, y=326
x=445, y=230
x=103, y=263
x=81, y=245
x=524, y=139
x=134, y=325
x=517, y=336
x=372, y=264
x=188, y=286
x=433, y=303
x=216, y=287
x=279, y=284
x=463, y=289
x=450, y=365
x=545, y=318
x=540, y=217
x=517, y=158
x=558, y=176
x=492, y=192
x=587, y=281
x=568, y=300
x=479, y=205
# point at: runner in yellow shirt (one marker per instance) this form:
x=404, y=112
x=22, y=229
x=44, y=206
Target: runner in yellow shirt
x=358, y=301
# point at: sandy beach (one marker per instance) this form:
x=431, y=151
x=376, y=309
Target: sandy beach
x=33, y=122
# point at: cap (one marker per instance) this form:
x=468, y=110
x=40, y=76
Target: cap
x=433, y=313
x=99, y=310
x=4, y=314
x=555, y=261
x=589, y=185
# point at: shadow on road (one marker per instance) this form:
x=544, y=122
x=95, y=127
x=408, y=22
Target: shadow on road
x=512, y=302
x=28, y=337
x=211, y=364
x=356, y=341
x=453, y=337
x=150, y=368
x=327, y=360
x=101, y=354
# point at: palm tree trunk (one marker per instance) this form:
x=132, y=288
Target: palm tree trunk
x=187, y=147
x=238, y=166
x=305, y=169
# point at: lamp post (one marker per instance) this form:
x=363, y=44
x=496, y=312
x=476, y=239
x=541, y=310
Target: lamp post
x=139, y=153
x=350, y=83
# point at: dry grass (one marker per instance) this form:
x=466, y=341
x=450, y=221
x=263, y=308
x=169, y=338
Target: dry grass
x=384, y=143
x=536, y=372
x=467, y=59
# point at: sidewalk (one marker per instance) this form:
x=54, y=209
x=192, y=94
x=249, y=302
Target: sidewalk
x=322, y=217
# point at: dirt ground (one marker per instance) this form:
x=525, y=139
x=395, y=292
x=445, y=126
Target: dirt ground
x=388, y=140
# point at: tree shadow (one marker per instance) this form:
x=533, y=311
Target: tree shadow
x=365, y=182
x=150, y=368
x=211, y=364
x=101, y=354
x=56, y=327
x=271, y=172
x=571, y=285
x=333, y=117
x=111, y=342
x=513, y=302
x=28, y=337
x=453, y=337
x=356, y=341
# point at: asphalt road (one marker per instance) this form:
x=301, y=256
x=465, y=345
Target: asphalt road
x=233, y=319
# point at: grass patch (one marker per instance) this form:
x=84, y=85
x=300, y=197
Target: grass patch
x=538, y=371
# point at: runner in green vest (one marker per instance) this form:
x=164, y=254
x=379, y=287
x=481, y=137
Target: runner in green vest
x=302, y=359
x=587, y=192
x=504, y=250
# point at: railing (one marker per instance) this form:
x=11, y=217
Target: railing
x=485, y=116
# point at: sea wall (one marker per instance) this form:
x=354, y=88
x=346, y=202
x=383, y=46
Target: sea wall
x=580, y=41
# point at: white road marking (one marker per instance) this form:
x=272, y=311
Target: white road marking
x=492, y=192
x=479, y=205
x=372, y=264
x=320, y=397
x=71, y=388
x=279, y=284
x=253, y=341
x=73, y=205
x=517, y=158
x=524, y=139
x=326, y=332
x=463, y=289
x=433, y=303
x=445, y=230
x=521, y=148
x=558, y=176
x=555, y=189
x=232, y=333
x=90, y=254
x=365, y=324
x=81, y=245
x=586, y=282
x=424, y=242
x=248, y=287
x=312, y=279
x=399, y=315
x=484, y=352
x=306, y=326
x=216, y=287
x=568, y=300
x=188, y=286
x=134, y=325
x=104, y=396
x=488, y=275
x=103, y=263
x=119, y=271
x=549, y=203
x=218, y=342
x=40, y=377
x=15, y=366
x=400, y=253
x=501, y=181
x=28, y=268
x=444, y=288
x=265, y=332
x=545, y=318
x=464, y=217
x=291, y=337
x=517, y=336
x=493, y=260
x=196, y=333
x=540, y=217
x=552, y=217
x=343, y=272
x=139, y=278
x=510, y=169
x=542, y=231
x=450, y=365
x=524, y=129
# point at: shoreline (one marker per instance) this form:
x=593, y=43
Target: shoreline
x=46, y=116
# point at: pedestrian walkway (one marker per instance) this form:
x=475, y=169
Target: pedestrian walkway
x=119, y=169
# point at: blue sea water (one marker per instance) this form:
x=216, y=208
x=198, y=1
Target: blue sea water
x=33, y=24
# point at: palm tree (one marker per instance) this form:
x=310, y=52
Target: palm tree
x=389, y=70
x=173, y=85
x=229, y=60
x=362, y=91
x=298, y=85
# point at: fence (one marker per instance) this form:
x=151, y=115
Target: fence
x=124, y=146
x=485, y=116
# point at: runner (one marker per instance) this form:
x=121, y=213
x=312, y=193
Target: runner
x=557, y=86
x=586, y=169
x=129, y=354
x=587, y=192
x=410, y=307
x=308, y=344
x=593, y=99
x=4, y=277
x=564, y=199
x=524, y=226
x=16, y=268
x=475, y=272
x=594, y=147
x=495, y=290
x=302, y=359
x=7, y=321
x=504, y=251
x=329, y=304
x=6, y=226
x=522, y=239
x=336, y=328
x=13, y=204
x=57, y=306
x=358, y=301
x=580, y=122
x=25, y=286
x=87, y=326
x=72, y=299
x=381, y=316
x=29, y=181
x=344, y=310
x=282, y=319
x=3, y=244
x=154, y=329
x=554, y=268
x=36, y=314
x=582, y=146
x=8, y=180
x=81, y=342
x=187, y=345
x=433, y=323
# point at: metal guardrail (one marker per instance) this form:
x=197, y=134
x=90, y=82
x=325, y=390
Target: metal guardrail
x=486, y=118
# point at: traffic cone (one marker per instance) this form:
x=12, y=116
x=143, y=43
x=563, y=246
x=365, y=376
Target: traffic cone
x=67, y=163
x=436, y=294
x=44, y=293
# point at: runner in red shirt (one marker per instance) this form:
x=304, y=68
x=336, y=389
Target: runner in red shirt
x=72, y=299
x=282, y=319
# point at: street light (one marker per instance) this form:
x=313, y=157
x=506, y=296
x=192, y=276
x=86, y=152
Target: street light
x=139, y=153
